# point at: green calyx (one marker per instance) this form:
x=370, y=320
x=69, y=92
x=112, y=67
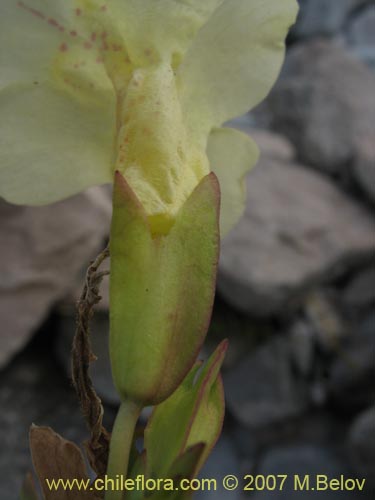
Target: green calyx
x=161, y=291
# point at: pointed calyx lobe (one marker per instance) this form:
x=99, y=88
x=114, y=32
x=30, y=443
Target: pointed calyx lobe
x=162, y=289
x=193, y=415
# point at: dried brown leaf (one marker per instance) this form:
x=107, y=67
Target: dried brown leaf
x=56, y=458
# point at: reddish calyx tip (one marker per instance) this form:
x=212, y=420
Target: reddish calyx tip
x=223, y=346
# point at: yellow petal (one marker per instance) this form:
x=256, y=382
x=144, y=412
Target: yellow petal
x=160, y=30
x=156, y=155
x=234, y=60
x=57, y=104
x=50, y=146
x=231, y=154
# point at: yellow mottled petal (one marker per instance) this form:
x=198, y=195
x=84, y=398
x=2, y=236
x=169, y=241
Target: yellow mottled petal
x=87, y=86
x=234, y=60
x=57, y=104
x=232, y=154
x=50, y=147
x=160, y=30
x=156, y=156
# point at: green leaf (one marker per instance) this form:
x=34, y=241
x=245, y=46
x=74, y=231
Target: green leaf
x=192, y=415
x=138, y=469
x=183, y=468
x=185, y=465
x=162, y=289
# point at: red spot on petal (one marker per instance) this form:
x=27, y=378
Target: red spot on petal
x=53, y=22
x=103, y=8
x=63, y=47
x=93, y=37
x=73, y=33
x=35, y=12
x=99, y=60
x=104, y=34
x=78, y=12
x=87, y=45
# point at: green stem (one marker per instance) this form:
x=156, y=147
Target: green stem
x=121, y=443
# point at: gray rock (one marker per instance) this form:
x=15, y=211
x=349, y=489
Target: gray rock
x=351, y=377
x=360, y=35
x=242, y=122
x=328, y=325
x=262, y=389
x=43, y=252
x=33, y=390
x=362, y=445
x=359, y=293
x=221, y=462
x=300, y=461
x=246, y=442
x=324, y=103
x=272, y=145
x=298, y=230
x=364, y=164
x=323, y=17
x=243, y=331
x=319, y=428
x=302, y=346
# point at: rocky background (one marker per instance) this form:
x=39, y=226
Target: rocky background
x=296, y=287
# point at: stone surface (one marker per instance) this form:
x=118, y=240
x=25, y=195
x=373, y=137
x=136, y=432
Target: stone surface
x=359, y=293
x=362, y=445
x=272, y=145
x=351, y=377
x=302, y=346
x=302, y=460
x=324, y=104
x=298, y=230
x=34, y=390
x=360, y=35
x=364, y=164
x=44, y=251
x=262, y=390
x=326, y=321
x=324, y=17
x=221, y=462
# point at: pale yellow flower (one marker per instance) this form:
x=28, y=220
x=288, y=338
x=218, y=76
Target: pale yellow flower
x=141, y=86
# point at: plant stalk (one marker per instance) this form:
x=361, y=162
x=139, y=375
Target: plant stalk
x=120, y=445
